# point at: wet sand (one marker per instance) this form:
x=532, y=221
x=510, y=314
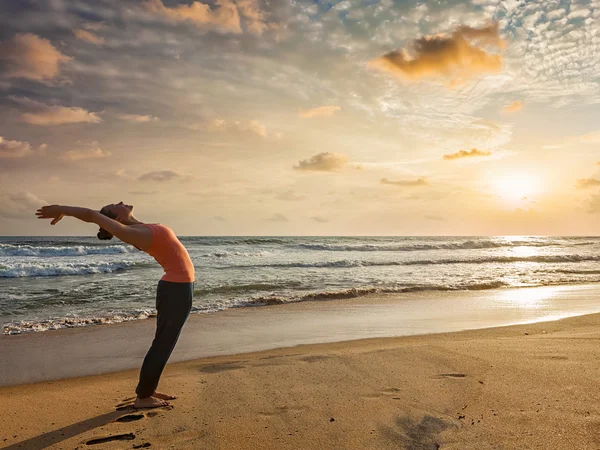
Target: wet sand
x=518, y=387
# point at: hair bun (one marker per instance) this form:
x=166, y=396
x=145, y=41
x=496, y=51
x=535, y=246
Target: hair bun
x=104, y=235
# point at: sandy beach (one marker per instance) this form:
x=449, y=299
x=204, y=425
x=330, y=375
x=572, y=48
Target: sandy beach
x=517, y=387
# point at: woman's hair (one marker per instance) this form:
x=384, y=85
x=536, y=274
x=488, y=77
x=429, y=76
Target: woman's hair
x=103, y=234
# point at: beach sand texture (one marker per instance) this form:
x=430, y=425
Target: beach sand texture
x=534, y=386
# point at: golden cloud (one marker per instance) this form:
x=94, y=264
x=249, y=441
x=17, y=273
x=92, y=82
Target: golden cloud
x=323, y=162
x=92, y=153
x=251, y=126
x=14, y=149
x=466, y=154
x=225, y=16
x=587, y=183
x=403, y=183
x=321, y=111
x=253, y=15
x=88, y=36
x=26, y=55
x=257, y=128
x=457, y=56
x=589, y=138
x=137, y=118
x=58, y=115
x=43, y=114
x=515, y=106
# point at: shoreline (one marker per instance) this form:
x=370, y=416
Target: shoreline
x=520, y=386
x=341, y=295
x=93, y=350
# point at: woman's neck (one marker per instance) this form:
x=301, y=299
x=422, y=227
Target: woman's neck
x=131, y=221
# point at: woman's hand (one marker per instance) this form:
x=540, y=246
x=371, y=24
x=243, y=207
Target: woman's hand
x=50, y=212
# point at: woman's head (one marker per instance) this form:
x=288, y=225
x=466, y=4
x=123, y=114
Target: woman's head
x=116, y=211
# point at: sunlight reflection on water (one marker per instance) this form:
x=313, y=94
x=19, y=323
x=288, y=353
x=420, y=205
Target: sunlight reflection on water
x=528, y=298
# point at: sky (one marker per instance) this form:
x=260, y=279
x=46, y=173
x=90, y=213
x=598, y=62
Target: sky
x=290, y=117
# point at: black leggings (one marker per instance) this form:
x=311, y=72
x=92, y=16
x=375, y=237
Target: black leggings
x=173, y=303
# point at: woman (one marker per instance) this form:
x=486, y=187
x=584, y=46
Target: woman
x=175, y=288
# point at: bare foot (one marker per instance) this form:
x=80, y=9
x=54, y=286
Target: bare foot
x=149, y=402
x=163, y=396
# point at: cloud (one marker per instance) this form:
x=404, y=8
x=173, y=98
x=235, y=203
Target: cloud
x=14, y=149
x=278, y=218
x=454, y=56
x=290, y=196
x=581, y=13
x=515, y=106
x=403, y=183
x=79, y=154
x=43, y=114
x=323, y=162
x=466, y=154
x=224, y=16
x=28, y=56
x=94, y=26
x=215, y=125
x=20, y=205
x=587, y=183
x=257, y=128
x=255, y=18
x=162, y=175
x=88, y=36
x=250, y=126
x=589, y=138
x=321, y=111
x=137, y=118
x=320, y=219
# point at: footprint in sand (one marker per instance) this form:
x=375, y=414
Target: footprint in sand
x=115, y=437
x=130, y=418
x=129, y=407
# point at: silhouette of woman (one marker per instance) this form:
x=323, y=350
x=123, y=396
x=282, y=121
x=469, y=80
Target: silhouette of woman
x=174, y=292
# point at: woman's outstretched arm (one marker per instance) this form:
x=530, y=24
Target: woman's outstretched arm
x=139, y=237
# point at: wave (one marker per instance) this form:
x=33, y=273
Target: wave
x=28, y=326
x=226, y=254
x=466, y=245
x=347, y=263
x=235, y=241
x=510, y=259
x=367, y=290
x=50, y=251
x=22, y=270
x=242, y=301
x=244, y=288
x=574, y=272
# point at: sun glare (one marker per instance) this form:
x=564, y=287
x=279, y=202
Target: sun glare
x=516, y=188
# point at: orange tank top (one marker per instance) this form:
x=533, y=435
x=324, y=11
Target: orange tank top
x=166, y=249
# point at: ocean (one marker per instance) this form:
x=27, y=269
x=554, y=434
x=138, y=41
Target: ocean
x=61, y=282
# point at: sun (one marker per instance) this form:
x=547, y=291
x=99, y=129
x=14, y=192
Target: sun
x=516, y=188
